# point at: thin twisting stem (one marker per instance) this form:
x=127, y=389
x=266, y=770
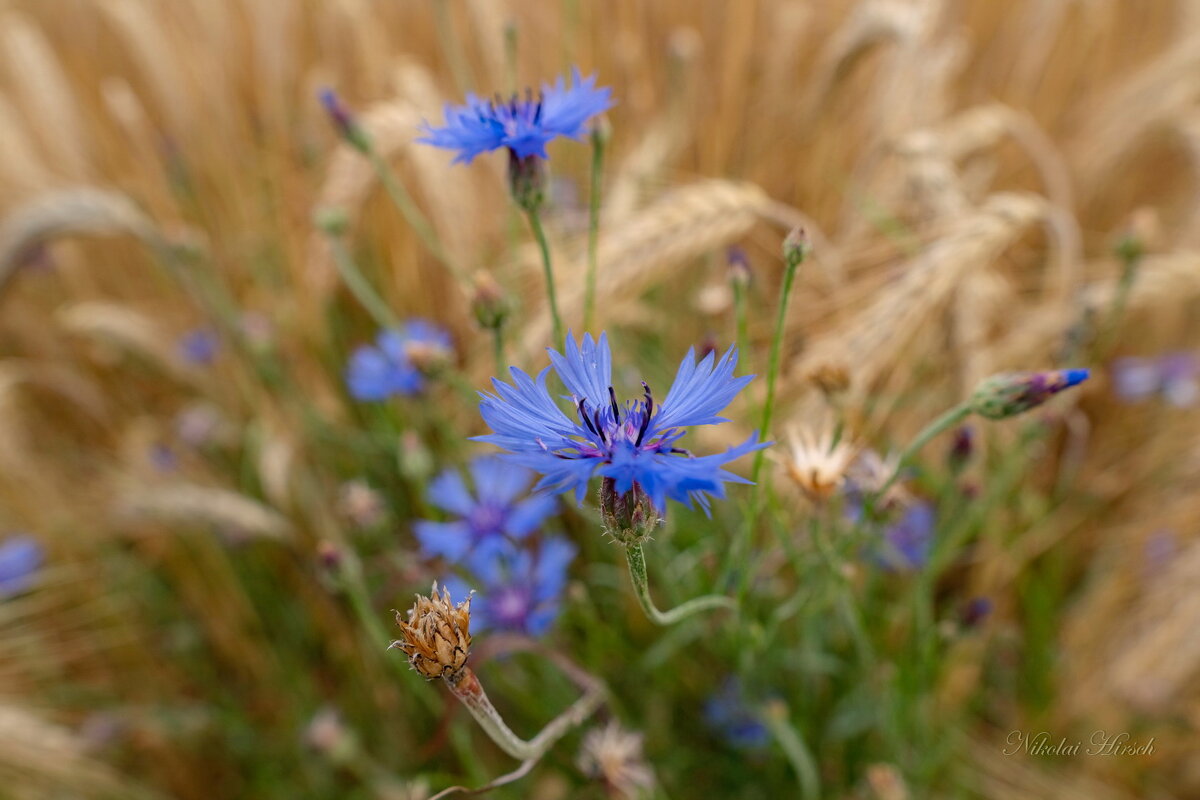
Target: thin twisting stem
x=466, y=687
x=535, y=224
x=641, y=587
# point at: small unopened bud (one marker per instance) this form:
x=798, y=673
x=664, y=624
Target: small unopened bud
x=961, y=448
x=360, y=505
x=739, y=267
x=430, y=358
x=331, y=220
x=795, y=247
x=330, y=556
x=416, y=462
x=327, y=735
x=527, y=181
x=1012, y=393
x=975, y=611
x=629, y=518
x=344, y=121
x=601, y=130
x=489, y=302
x=436, y=636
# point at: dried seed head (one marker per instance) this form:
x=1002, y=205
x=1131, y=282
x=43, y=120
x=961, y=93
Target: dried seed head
x=436, y=636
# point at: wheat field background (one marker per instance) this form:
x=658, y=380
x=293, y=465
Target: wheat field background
x=964, y=171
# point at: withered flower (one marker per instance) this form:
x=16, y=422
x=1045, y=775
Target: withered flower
x=817, y=464
x=436, y=636
x=613, y=756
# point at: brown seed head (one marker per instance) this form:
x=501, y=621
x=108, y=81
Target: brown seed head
x=436, y=637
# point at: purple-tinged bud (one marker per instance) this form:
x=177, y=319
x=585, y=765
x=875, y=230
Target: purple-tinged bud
x=330, y=556
x=344, y=121
x=708, y=345
x=975, y=611
x=629, y=518
x=961, y=448
x=1012, y=393
x=796, y=247
x=740, y=273
x=527, y=181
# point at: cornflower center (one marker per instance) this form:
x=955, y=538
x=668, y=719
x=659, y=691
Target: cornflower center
x=486, y=519
x=510, y=605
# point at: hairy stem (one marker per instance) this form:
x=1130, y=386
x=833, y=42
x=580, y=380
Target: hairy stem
x=359, y=286
x=942, y=423
x=641, y=587
x=589, y=298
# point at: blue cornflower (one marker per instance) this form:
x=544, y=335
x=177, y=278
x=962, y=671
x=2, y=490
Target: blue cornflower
x=1174, y=376
x=633, y=447
x=20, y=558
x=729, y=714
x=524, y=126
x=908, y=541
x=199, y=347
x=397, y=361
x=495, y=511
x=518, y=590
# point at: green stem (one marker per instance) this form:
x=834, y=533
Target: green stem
x=739, y=315
x=589, y=301
x=411, y=213
x=535, y=225
x=641, y=587
x=942, y=423
x=359, y=286
x=498, y=349
x=789, y=277
x=775, y=716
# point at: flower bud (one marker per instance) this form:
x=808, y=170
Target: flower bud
x=527, y=181
x=629, y=518
x=331, y=220
x=1012, y=393
x=436, y=636
x=489, y=302
x=739, y=267
x=796, y=247
x=961, y=448
x=344, y=121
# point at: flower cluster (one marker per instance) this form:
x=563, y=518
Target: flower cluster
x=634, y=445
x=398, y=361
x=518, y=581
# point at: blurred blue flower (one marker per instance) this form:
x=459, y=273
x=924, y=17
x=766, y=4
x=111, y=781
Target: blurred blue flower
x=635, y=445
x=517, y=590
x=1173, y=376
x=20, y=559
x=199, y=347
x=394, y=364
x=908, y=541
x=524, y=126
x=731, y=716
x=495, y=511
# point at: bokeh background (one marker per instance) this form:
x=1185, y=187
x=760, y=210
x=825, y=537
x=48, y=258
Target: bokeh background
x=986, y=186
